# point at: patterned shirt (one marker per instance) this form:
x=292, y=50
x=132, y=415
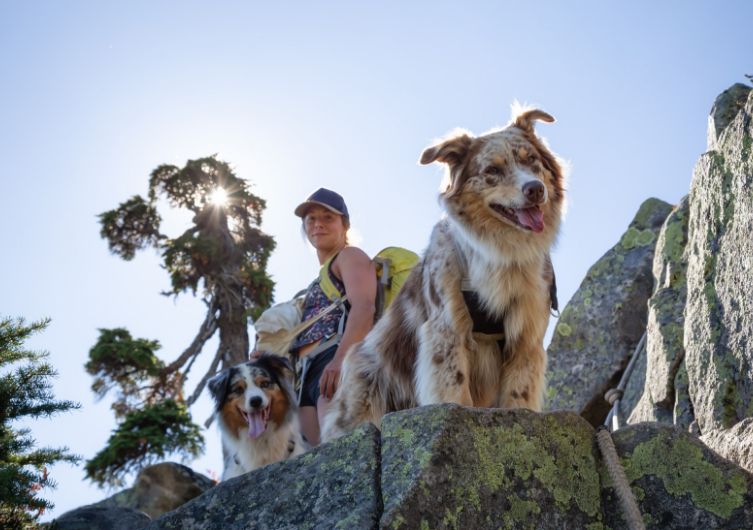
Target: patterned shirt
x=316, y=302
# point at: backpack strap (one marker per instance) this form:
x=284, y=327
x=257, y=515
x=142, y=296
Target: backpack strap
x=328, y=288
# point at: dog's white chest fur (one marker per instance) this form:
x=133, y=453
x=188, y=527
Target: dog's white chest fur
x=272, y=446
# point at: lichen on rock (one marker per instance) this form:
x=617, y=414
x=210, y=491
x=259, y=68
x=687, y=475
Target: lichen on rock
x=446, y=466
x=604, y=321
x=681, y=483
x=333, y=486
x=655, y=385
x=718, y=336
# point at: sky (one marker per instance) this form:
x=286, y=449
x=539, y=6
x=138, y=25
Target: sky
x=299, y=95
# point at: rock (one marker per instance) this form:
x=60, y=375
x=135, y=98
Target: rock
x=100, y=518
x=602, y=324
x=660, y=393
x=446, y=466
x=718, y=336
x=735, y=444
x=160, y=488
x=333, y=486
x=678, y=482
x=725, y=108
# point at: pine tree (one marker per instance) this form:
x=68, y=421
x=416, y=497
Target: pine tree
x=25, y=393
x=224, y=256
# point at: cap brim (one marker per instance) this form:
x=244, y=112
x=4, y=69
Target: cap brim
x=301, y=210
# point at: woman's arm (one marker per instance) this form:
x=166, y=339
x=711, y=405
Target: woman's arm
x=358, y=274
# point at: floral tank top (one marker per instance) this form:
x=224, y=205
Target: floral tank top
x=316, y=302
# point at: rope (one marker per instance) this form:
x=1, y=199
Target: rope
x=614, y=395
x=619, y=479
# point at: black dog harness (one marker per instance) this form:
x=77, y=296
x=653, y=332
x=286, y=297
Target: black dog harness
x=483, y=322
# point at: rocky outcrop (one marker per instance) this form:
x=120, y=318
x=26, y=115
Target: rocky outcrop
x=696, y=370
x=446, y=467
x=602, y=324
x=657, y=381
x=101, y=518
x=725, y=109
x=699, y=362
x=719, y=309
x=160, y=489
x=333, y=486
x=678, y=482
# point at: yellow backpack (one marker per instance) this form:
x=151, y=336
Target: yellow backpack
x=393, y=264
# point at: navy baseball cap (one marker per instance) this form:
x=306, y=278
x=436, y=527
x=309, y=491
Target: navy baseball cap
x=323, y=197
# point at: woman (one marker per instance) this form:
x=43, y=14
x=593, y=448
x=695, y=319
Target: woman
x=326, y=223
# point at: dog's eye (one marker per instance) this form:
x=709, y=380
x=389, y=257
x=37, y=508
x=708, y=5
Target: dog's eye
x=264, y=384
x=238, y=389
x=492, y=170
x=530, y=160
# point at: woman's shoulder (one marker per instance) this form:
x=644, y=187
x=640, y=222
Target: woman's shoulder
x=353, y=254
x=350, y=258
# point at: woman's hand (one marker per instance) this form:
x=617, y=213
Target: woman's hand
x=330, y=378
x=254, y=355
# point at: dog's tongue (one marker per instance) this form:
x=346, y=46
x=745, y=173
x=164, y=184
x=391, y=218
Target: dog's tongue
x=533, y=218
x=255, y=424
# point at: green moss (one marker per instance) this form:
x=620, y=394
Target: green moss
x=680, y=465
x=564, y=329
x=645, y=212
x=645, y=237
x=648, y=519
x=594, y=526
x=628, y=238
x=579, y=345
x=571, y=477
x=639, y=493
x=424, y=525
x=520, y=509
x=451, y=520
x=397, y=522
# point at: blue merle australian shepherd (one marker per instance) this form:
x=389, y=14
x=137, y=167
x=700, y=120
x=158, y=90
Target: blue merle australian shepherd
x=257, y=412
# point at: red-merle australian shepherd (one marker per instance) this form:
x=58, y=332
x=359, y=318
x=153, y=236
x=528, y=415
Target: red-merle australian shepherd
x=504, y=200
x=257, y=412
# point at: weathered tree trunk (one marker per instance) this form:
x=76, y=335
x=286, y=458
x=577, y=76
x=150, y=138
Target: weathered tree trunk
x=233, y=331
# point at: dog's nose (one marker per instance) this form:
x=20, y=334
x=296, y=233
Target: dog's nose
x=534, y=191
x=255, y=402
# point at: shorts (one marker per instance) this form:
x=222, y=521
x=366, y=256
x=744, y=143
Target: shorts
x=310, y=383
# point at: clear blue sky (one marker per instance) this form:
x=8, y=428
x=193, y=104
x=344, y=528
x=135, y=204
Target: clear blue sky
x=301, y=95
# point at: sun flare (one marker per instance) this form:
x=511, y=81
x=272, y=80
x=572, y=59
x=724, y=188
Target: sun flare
x=219, y=197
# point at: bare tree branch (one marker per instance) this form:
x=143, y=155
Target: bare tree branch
x=206, y=331
x=212, y=370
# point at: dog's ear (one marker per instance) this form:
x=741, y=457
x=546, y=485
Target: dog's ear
x=451, y=152
x=275, y=361
x=217, y=386
x=525, y=119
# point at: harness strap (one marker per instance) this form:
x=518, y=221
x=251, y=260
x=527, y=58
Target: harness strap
x=471, y=300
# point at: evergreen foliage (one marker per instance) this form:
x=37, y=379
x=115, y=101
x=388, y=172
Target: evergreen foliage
x=119, y=360
x=146, y=436
x=25, y=393
x=223, y=256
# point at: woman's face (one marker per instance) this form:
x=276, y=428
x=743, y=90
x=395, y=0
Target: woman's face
x=324, y=228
